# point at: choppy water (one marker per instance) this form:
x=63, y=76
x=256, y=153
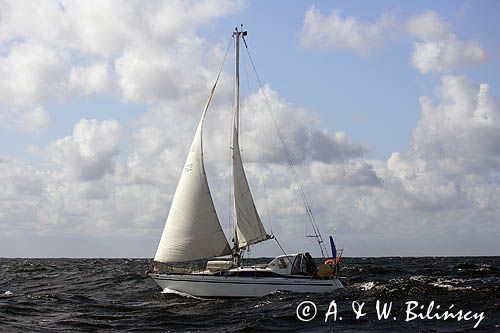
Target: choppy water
x=63, y=295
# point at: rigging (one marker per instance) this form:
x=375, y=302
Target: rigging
x=289, y=158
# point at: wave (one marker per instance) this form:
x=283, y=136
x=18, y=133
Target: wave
x=60, y=295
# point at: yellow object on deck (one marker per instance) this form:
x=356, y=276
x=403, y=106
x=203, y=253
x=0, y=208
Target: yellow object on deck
x=325, y=271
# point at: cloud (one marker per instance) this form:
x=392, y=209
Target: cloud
x=87, y=29
x=454, y=150
x=21, y=201
x=439, y=50
x=38, y=203
x=461, y=127
x=30, y=73
x=63, y=49
x=428, y=26
x=152, y=74
x=352, y=173
x=34, y=120
x=446, y=55
x=326, y=147
x=422, y=187
x=305, y=138
x=336, y=32
x=90, y=79
x=88, y=153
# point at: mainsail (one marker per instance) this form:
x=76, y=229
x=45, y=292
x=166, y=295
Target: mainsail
x=249, y=228
x=192, y=230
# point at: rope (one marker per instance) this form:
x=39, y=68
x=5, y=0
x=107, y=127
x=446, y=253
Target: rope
x=261, y=160
x=218, y=76
x=289, y=158
x=218, y=192
x=276, y=239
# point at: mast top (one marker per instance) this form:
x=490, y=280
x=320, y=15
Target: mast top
x=239, y=32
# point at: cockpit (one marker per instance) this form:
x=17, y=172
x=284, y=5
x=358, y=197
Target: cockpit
x=295, y=264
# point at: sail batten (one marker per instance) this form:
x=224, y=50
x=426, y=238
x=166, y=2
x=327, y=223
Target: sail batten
x=192, y=230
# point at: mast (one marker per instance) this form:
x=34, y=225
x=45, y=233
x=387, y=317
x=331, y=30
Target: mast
x=248, y=227
x=236, y=120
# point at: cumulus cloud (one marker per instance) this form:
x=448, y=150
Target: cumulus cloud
x=327, y=147
x=461, y=126
x=421, y=186
x=64, y=49
x=337, y=32
x=34, y=120
x=152, y=74
x=454, y=148
x=352, y=173
x=21, y=202
x=88, y=153
x=428, y=26
x=35, y=204
x=445, y=55
x=439, y=50
x=87, y=28
x=90, y=79
x=30, y=73
x=305, y=138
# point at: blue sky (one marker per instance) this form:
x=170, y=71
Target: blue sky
x=391, y=107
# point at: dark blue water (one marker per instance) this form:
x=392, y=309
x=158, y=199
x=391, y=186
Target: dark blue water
x=88, y=295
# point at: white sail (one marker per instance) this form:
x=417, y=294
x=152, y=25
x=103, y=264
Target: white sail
x=249, y=228
x=192, y=230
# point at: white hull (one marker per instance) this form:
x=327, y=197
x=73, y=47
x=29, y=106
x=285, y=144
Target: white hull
x=220, y=286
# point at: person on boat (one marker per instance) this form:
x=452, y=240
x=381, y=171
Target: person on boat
x=310, y=264
x=236, y=257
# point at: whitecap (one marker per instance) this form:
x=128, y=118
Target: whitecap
x=180, y=293
x=258, y=305
x=450, y=284
x=367, y=286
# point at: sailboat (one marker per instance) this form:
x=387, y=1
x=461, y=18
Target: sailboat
x=193, y=233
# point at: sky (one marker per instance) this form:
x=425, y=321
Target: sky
x=390, y=109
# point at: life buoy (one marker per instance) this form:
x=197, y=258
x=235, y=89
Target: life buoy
x=330, y=262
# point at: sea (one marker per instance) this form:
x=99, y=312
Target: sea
x=115, y=295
